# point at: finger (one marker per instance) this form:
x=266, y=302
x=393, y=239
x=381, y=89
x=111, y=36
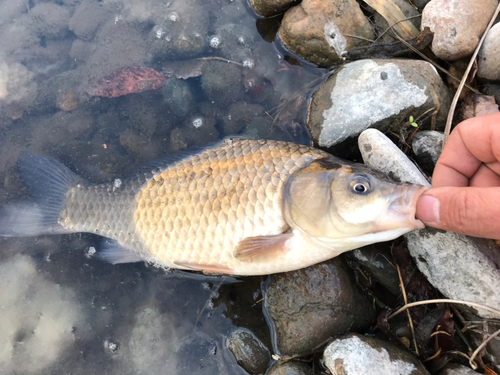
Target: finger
x=468, y=210
x=485, y=177
x=471, y=143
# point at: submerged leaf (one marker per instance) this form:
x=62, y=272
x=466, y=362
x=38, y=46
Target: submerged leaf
x=127, y=81
x=395, y=17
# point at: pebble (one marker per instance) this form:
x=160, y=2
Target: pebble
x=456, y=369
x=355, y=354
x=460, y=267
x=317, y=30
x=349, y=101
x=290, y=368
x=427, y=146
x=488, y=60
x=269, y=8
x=457, y=25
x=308, y=306
x=250, y=353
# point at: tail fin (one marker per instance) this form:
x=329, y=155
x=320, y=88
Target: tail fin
x=48, y=181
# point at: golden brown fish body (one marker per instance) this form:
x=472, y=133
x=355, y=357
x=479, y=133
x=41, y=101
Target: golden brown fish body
x=241, y=207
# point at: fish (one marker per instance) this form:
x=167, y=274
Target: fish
x=237, y=207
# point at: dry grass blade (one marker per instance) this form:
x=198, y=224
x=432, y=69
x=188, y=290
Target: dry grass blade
x=410, y=320
x=393, y=15
x=480, y=347
x=464, y=78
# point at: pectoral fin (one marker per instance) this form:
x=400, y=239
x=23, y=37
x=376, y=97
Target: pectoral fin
x=206, y=268
x=262, y=248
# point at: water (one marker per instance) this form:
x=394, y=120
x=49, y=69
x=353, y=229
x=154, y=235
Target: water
x=61, y=311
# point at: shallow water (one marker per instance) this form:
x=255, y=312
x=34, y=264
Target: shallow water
x=62, y=312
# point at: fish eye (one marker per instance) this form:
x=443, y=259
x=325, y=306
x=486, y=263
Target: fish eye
x=360, y=184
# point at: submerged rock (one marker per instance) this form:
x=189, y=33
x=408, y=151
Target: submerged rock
x=460, y=267
x=317, y=30
x=349, y=101
x=457, y=25
x=427, y=146
x=488, y=60
x=306, y=307
x=249, y=351
x=290, y=368
x=268, y=8
x=456, y=369
x=355, y=354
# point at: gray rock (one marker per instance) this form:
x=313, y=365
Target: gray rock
x=355, y=354
x=457, y=25
x=308, y=306
x=268, y=8
x=290, y=368
x=456, y=369
x=488, y=60
x=222, y=83
x=239, y=115
x=88, y=16
x=51, y=20
x=178, y=96
x=493, y=90
x=182, y=33
x=249, y=351
x=235, y=42
x=427, y=146
x=381, y=153
x=350, y=101
x=317, y=30
x=460, y=267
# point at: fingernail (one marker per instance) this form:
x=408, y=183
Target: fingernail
x=428, y=209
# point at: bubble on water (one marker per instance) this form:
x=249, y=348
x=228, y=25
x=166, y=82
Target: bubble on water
x=207, y=285
x=197, y=122
x=215, y=41
x=159, y=33
x=91, y=251
x=173, y=17
x=117, y=183
x=113, y=347
x=248, y=63
x=241, y=40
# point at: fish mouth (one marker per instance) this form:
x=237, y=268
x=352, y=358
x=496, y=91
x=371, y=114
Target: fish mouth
x=403, y=208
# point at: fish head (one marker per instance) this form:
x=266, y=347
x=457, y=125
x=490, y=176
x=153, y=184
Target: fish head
x=347, y=205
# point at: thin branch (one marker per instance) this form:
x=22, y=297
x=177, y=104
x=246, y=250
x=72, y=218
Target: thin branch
x=480, y=347
x=402, y=285
x=454, y=102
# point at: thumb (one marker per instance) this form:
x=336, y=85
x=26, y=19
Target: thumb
x=474, y=211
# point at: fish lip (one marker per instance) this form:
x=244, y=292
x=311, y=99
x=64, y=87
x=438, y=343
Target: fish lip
x=405, y=205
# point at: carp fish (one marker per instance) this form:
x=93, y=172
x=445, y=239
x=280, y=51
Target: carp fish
x=239, y=207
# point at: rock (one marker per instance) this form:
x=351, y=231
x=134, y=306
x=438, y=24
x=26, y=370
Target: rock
x=17, y=89
x=290, y=368
x=317, y=30
x=493, y=90
x=376, y=261
x=460, y=267
x=235, y=42
x=181, y=33
x=457, y=25
x=456, y=369
x=355, y=354
x=178, y=96
x=308, y=306
x=350, y=100
x=88, y=16
x=409, y=11
x=222, y=83
x=269, y=8
x=239, y=115
x=249, y=351
x=488, y=60
x=51, y=20
x=427, y=146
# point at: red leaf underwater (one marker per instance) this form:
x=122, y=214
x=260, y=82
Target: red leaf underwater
x=128, y=81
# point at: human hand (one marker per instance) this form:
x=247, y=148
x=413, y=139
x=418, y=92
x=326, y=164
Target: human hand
x=465, y=193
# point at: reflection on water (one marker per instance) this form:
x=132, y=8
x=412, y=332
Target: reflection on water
x=61, y=311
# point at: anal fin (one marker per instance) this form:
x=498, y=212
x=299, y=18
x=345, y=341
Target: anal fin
x=206, y=268
x=262, y=248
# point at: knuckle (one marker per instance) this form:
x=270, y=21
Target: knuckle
x=464, y=211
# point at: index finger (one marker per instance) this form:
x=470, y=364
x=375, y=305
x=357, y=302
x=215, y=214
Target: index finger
x=471, y=143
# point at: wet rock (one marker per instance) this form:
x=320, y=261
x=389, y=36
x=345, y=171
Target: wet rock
x=493, y=90
x=239, y=115
x=350, y=100
x=456, y=369
x=17, y=89
x=50, y=20
x=181, y=34
x=60, y=91
x=249, y=351
x=235, y=42
x=356, y=354
x=457, y=25
x=376, y=261
x=178, y=96
x=87, y=18
x=222, y=83
x=200, y=130
x=488, y=60
x=317, y=30
x=81, y=50
x=427, y=146
x=290, y=368
x=308, y=306
x=268, y=8
x=460, y=267
x=142, y=147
